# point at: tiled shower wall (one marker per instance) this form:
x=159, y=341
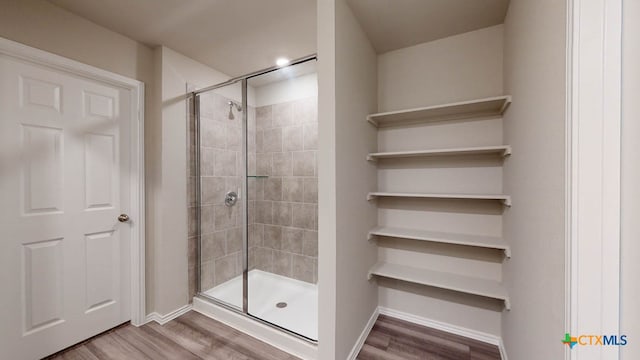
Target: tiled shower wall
x=220, y=170
x=283, y=183
x=283, y=207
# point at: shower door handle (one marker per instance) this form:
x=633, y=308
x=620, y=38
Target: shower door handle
x=231, y=198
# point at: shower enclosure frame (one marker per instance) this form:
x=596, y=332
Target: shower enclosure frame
x=194, y=113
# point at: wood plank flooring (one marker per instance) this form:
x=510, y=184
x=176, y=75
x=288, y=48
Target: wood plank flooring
x=191, y=336
x=393, y=339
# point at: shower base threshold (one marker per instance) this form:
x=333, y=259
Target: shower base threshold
x=282, y=301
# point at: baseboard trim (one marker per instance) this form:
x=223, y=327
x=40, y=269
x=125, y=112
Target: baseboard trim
x=503, y=350
x=453, y=329
x=363, y=336
x=163, y=319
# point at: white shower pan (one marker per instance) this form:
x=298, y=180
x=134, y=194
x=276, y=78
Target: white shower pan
x=266, y=291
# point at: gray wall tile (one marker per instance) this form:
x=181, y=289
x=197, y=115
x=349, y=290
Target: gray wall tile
x=213, y=134
x=292, y=240
x=212, y=189
x=272, y=237
x=224, y=217
x=212, y=245
x=304, y=163
x=310, y=136
x=263, y=164
x=304, y=216
x=282, y=213
x=263, y=117
x=282, y=263
x=282, y=114
x=225, y=268
x=311, y=190
x=272, y=140
x=303, y=268
x=234, y=240
x=281, y=164
x=310, y=243
x=292, y=138
x=224, y=163
x=292, y=189
x=273, y=189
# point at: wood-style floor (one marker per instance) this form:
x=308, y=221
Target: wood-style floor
x=393, y=339
x=194, y=336
x=191, y=336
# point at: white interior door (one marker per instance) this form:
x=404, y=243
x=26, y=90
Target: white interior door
x=64, y=179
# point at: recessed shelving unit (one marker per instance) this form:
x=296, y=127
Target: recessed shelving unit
x=505, y=199
x=489, y=242
x=413, y=271
x=481, y=108
x=455, y=282
x=501, y=150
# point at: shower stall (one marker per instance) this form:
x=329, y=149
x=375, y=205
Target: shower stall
x=253, y=186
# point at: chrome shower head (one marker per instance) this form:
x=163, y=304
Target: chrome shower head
x=233, y=104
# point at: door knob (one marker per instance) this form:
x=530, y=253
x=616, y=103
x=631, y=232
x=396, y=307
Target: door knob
x=123, y=218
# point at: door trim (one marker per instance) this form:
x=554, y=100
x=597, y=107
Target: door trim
x=137, y=204
x=593, y=173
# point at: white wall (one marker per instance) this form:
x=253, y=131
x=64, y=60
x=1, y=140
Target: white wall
x=461, y=67
x=347, y=83
x=630, y=231
x=356, y=79
x=45, y=26
x=534, y=176
x=464, y=66
x=286, y=90
x=327, y=191
x=170, y=232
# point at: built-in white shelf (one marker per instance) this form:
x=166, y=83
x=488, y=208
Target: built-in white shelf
x=465, y=284
x=501, y=150
x=489, y=242
x=505, y=199
x=493, y=106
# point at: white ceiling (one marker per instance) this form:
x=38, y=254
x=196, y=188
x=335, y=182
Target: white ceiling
x=232, y=36
x=237, y=37
x=394, y=24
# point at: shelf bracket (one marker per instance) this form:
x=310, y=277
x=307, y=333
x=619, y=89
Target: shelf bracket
x=507, y=252
x=370, y=197
x=507, y=304
x=506, y=152
x=507, y=202
x=371, y=158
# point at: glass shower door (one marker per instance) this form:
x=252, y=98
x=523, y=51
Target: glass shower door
x=218, y=134
x=254, y=209
x=282, y=198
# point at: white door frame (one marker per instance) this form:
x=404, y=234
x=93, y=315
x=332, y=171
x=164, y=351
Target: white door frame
x=594, y=64
x=137, y=212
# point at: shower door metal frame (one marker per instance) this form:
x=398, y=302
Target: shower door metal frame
x=194, y=97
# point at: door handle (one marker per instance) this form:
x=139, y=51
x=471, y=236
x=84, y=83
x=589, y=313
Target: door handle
x=123, y=218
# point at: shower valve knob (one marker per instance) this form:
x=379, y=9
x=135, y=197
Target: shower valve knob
x=231, y=198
